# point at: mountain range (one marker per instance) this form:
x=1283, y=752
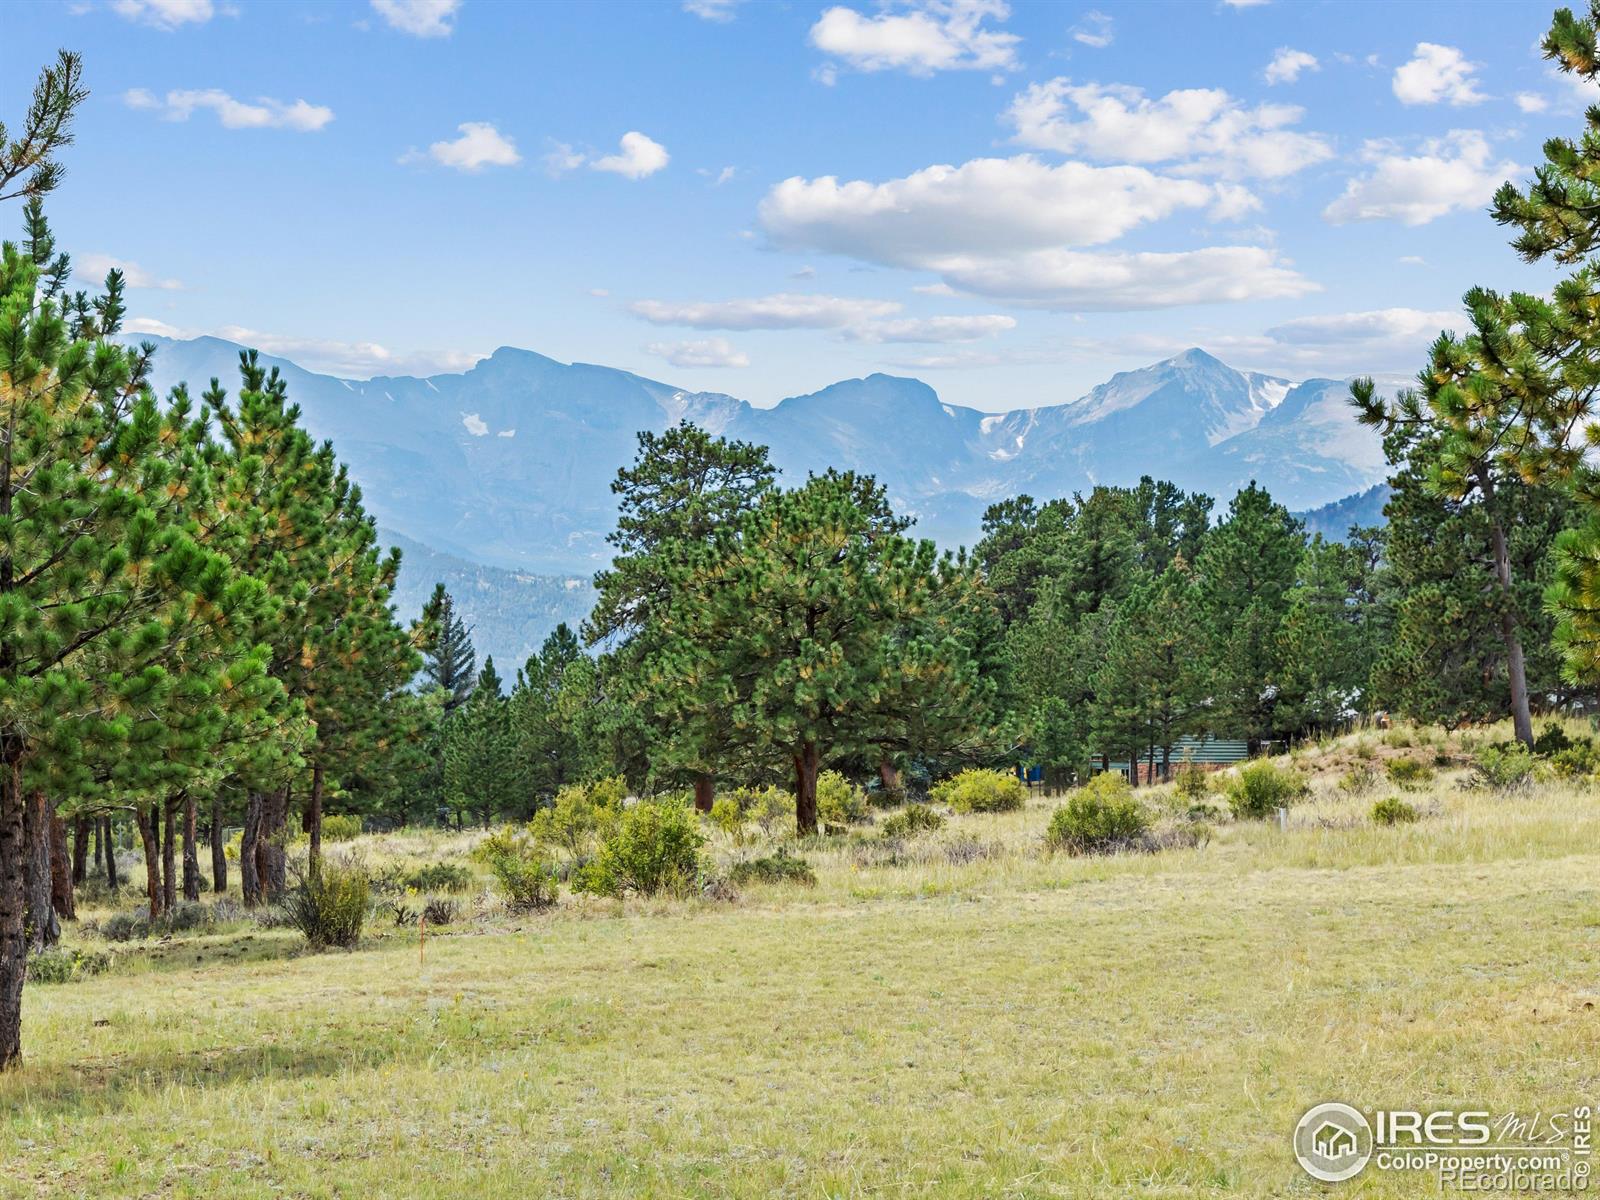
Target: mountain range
x=510, y=463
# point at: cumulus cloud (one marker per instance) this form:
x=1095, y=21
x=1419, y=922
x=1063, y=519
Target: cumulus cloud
x=264, y=113
x=919, y=37
x=1531, y=102
x=480, y=145
x=1447, y=175
x=93, y=269
x=1385, y=324
x=1096, y=29
x=785, y=310
x=703, y=352
x=165, y=14
x=932, y=329
x=475, y=424
x=1287, y=65
x=639, y=156
x=419, y=18
x=1202, y=130
x=1437, y=74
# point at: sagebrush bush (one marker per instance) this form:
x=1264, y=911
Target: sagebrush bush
x=64, y=965
x=1504, y=768
x=1261, y=787
x=840, y=802
x=981, y=791
x=781, y=867
x=529, y=881
x=330, y=906
x=1392, y=810
x=440, y=877
x=186, y=916
x=1409, y=773
x=1100, y=817
x=653, y=847
x=1358, y=780
x=914, y=819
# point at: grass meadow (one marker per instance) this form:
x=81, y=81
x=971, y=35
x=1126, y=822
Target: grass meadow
x=955, y=1015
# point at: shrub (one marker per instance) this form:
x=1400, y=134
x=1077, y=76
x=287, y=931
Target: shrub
x=839, y=802
x=66, y=965
x=341, y=828
x=1503, y=768
x=1580, y=758
x=768, y=806
x=330, y=906
x=1262, y=787
x=439, y=877
x=441, y=910
x=917, y=818
x=1097, y=818
x=778, y=868
x=1394, y=811
x=580, y=815
x=727, y=816
x=1552, y=741
x=1191, y=782
x=654, y=847
x=1409, y=773
x=527, y=879
x=185, y=916
x=982, y=791
x=1358, y=780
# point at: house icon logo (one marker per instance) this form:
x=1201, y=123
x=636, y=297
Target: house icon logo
x=1332, y=1142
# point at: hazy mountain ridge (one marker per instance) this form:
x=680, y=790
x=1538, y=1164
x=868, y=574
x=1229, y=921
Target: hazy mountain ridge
x=510, y=462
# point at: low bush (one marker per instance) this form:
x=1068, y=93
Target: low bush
x=1100, y=817
x=330, y=906
x=769, y=807
x=1577, y=761
x=1409, y=773
x=781, y=867
x=1394, y=811
x=1503, y=767
x=1552, y=741
x=914, y=819
x=727, y=816
x=66, y=965
x=839, y=802
x=440, y=877
x=1358, y=780
x=529, y=881
x=1262, y=787
x=441, y=910
x=653, y=847
x=186, y=916
x=341, y=828
x=1191, y=782
x=980, y=791
x=580, y=815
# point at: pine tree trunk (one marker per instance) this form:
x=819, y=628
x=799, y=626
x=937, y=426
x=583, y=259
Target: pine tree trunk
x=169, y=852
x=219, y=852
x=110, y=846
x=13, y=901
x=314, y=823
x=80, y=850
x=705, y=792
x=806, y=766
x=191, y=851
x=889, y=776
x=44, y=930
x=271, y=864
x=61, y=897
x=1133, y=767
x=152, y=858
x=249, y=877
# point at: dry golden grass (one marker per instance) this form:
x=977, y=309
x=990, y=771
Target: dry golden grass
x=1018, y=1025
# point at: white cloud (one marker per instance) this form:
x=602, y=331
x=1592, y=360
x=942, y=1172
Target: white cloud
x=602, y=293
x=1204, y=130
x=480, y=145
x=987, y=205
x=349, y=360
x=932, y=329
x=154, y=325
x=786, y=310
x=639, y=156
x=93, y=268
x=1073, y=281
x=1530, y=102
x=1287, y=64
x=419, y=18
x=165, y=14
x=1245, y=3
x=1096, y=29
x=475, y=424
x=1407, y=325
x=507, y=433
x=704, y=352
x=711, y=10
x=934, y=289
x=1437, y=74
x=1449, y=174
x=1413, y=260
x=265, y=113
x=919, y=37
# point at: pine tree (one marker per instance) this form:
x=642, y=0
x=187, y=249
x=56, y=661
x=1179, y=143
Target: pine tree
x=449, y=662
x=482, y=772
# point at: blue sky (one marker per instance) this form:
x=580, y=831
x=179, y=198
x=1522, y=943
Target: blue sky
x=1008, y=201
